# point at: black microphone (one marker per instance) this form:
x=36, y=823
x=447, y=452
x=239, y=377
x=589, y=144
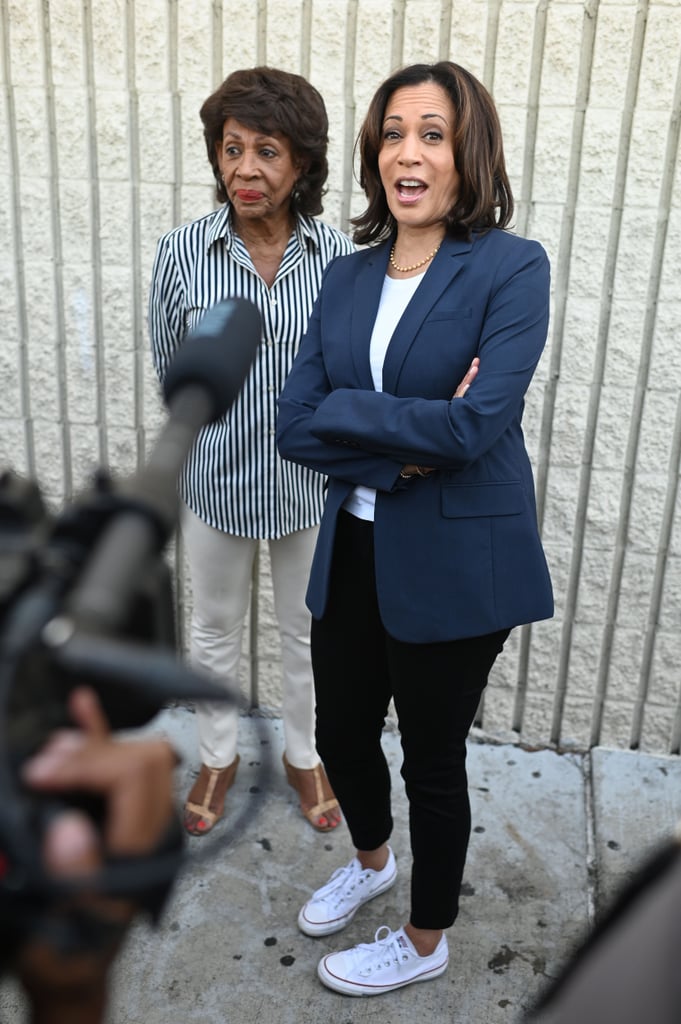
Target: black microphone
x=201, y=384
x=217, y=355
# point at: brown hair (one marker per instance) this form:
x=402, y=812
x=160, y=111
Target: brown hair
x=484, y=198
x=276, y=103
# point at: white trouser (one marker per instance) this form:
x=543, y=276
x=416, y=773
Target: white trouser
x=221, y=566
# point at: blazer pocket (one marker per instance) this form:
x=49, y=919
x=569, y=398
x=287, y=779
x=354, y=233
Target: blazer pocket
x=462, y=501
x=465, y=313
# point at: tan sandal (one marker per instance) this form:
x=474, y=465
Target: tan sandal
x=207, y=798
x=326, y=801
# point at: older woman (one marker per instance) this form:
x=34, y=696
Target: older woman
x=266, y=137
x=408, y=393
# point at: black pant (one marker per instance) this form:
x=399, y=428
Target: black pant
x=436, y=687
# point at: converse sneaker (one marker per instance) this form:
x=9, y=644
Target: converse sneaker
x=330, y=908
x=388, y=963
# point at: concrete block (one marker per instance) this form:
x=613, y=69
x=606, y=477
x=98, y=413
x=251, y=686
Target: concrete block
x=109, y=46
x=421, y=32
x=561, y=57
x=468, y=38
x=671, y=267
x=666, y=350
x=284, y=31
x=647, y=507
x=10, y=362
x=26, y=56
x=113, y=137
x=49, y=456
x=637, y=235
x=658, y=66
x=598, y=157
x=512, y=54
x=115, y=225
x=603, y=506
x=123, y=449
x=588, y=255
x=612, y=51
x=561, y=504
x=669, y=618
x=649, y=140
x=156, y=137
x=195, y=36
x=13, y=449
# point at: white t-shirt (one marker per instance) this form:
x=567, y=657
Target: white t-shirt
x=395, y=297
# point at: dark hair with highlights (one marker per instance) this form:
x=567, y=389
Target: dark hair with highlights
x=275, y=103
x=484, y=200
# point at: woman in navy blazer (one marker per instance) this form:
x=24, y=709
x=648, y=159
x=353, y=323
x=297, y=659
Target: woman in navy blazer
x=408, y=394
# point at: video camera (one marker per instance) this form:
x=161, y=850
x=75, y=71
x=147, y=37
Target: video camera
x=86, y=599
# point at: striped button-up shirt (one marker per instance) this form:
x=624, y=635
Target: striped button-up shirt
x=234, y=478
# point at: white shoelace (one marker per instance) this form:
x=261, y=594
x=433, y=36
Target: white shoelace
x=386, y=947
x=342, y=882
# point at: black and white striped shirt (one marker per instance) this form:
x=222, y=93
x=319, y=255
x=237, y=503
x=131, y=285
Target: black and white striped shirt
x=234, y=478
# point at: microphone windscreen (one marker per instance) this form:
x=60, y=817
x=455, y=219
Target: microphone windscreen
x=217, y=354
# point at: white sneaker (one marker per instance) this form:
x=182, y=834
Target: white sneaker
x=388, y=963
x=330, y=908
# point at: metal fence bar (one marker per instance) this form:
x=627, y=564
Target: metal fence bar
x=397, y=34
x=305, y=37
x=617, y=211
x=58, y=254
x=95, y=236
x=349, y=110
x=491, y=39
x=138, y=319
x=561, y=294
x=524, y=209
x=531, y=118
x=18, y=250
x=669, y=170
x=445, y=31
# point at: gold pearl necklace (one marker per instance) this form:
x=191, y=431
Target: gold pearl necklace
x=414, y=266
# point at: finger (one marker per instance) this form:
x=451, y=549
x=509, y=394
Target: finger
x=141, y=804
x=44, y=768
x=87, y=713
x=468, y=378
x=71, y=846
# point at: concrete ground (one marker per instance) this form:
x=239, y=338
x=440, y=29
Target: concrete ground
x=553, y=837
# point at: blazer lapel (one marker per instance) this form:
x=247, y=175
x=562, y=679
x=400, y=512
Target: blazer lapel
x=365, y=299
x=447, y=264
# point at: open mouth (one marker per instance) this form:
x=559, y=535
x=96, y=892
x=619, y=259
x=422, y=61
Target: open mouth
x=410, y=188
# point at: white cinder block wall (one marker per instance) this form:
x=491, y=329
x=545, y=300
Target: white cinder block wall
x=102, y=152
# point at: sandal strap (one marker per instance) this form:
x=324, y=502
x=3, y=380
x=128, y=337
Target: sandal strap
x=323, y=803
x=321, y=808
x=215, y=775
x=203, y=811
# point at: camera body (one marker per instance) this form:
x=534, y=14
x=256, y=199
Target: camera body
x=46, y=649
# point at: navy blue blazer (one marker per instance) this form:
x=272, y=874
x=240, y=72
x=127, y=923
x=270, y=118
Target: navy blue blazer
x=458, y=552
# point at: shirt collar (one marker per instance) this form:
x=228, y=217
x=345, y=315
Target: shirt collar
x=222, y=228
